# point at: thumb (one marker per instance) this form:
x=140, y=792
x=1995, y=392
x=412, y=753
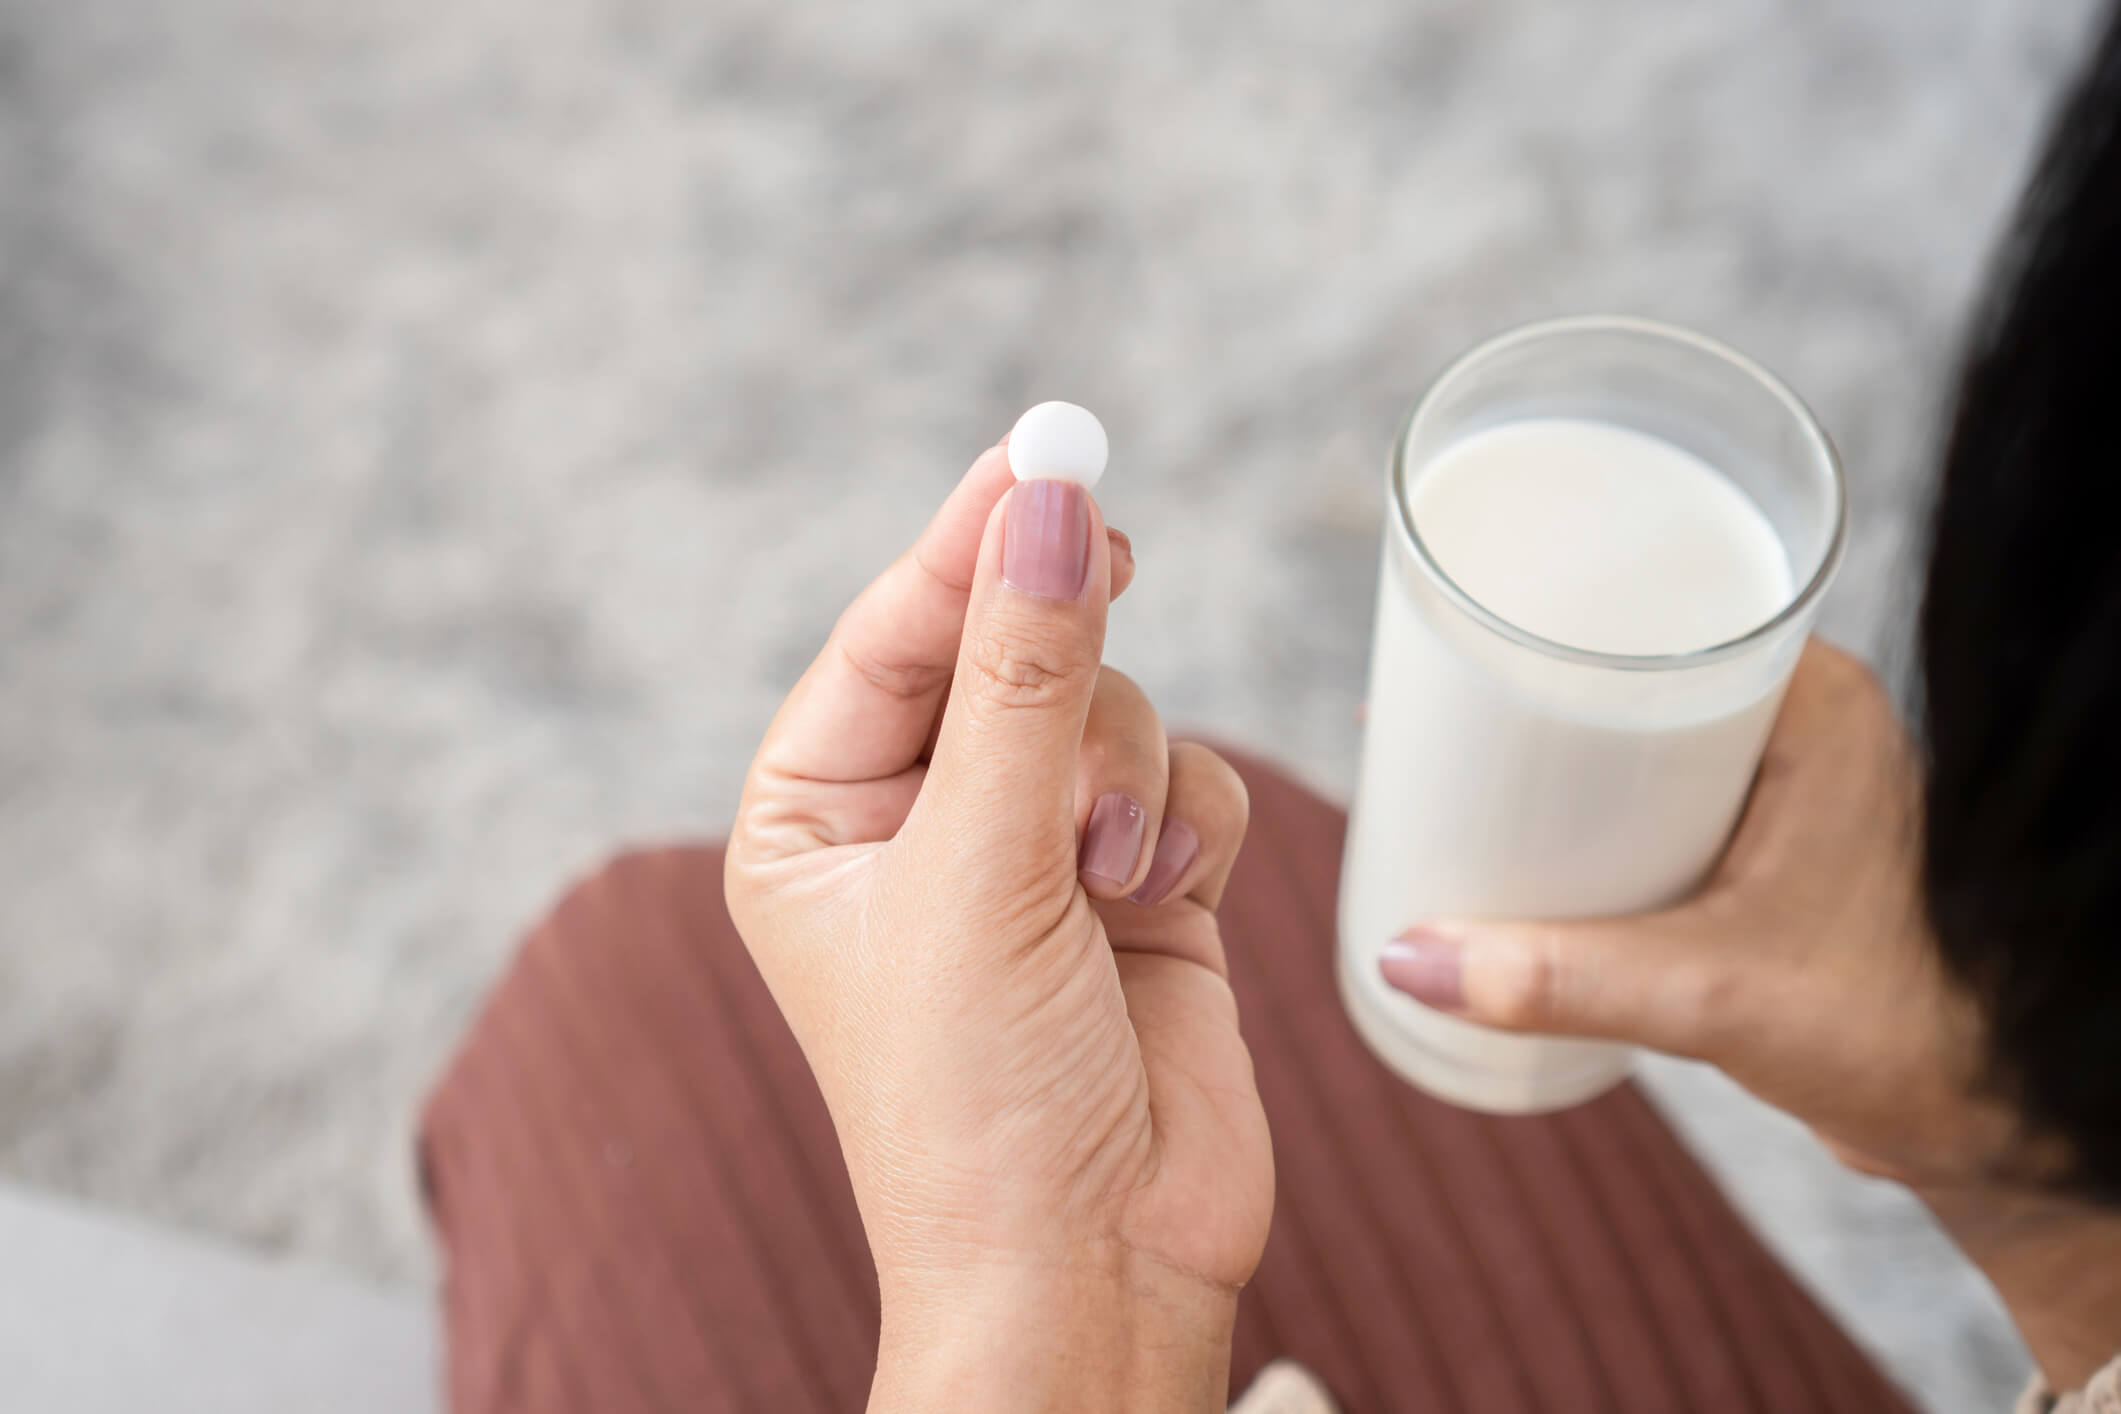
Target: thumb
x=999, y=799
x=1655, y=980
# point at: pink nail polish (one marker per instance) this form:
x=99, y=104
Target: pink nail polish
x=1046, y=541
x=1426, y=967
x=1176, y=849
x=1113, y=839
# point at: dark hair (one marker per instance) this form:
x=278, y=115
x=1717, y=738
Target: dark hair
x=2020, y=642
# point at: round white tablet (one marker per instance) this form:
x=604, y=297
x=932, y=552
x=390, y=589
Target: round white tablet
x=1058, y=442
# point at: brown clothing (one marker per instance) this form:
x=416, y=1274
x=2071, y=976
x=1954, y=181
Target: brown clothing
x=642, y=1206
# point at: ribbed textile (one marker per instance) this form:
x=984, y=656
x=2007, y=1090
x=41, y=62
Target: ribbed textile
x=642, y=1207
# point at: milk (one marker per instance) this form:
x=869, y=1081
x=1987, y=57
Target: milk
x=1600, y=537
x=1508, y=778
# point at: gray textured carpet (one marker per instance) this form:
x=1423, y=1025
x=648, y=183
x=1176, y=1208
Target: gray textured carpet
x=433, y=435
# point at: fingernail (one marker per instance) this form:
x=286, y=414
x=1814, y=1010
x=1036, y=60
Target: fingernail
x=1046, y=543
x=1176, y=849
x=1113, y=840
x=1425, y=966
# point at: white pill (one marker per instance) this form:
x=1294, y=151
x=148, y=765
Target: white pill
x=1058, y=442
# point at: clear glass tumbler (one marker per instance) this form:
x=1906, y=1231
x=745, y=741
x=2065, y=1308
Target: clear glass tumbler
x=1506, y=775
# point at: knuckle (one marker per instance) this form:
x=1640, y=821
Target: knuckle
x=1867, y=690
x=1690, y=1000
x=1111, y=760
x=1704, y=1009
x=1217, y=781
x=1526, y=982
x=1863, y=710
x=1848, y=678
x=1115, y=686
x=1019, y=665
x=1712, y=992
x=1124, y=734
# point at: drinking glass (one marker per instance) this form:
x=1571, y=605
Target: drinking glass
x=1506, y=775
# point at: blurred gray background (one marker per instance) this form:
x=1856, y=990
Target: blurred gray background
x=433, y=436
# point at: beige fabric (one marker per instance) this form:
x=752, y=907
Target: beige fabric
x=1285, y=1387
x=2102, y=1395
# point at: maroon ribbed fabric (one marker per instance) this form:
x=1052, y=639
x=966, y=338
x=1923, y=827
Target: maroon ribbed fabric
x=642, y=1206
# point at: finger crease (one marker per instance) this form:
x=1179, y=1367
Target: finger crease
x=962, y=590
x=906, y=681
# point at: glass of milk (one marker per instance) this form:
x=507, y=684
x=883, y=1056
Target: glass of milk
x=1605, y=544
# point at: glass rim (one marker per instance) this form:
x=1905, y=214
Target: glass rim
x=1821, y=445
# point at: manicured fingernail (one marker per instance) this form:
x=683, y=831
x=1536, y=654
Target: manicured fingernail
x=1046, y=544
x=1425, y=966
x=1113, y=839
x=1176, y=849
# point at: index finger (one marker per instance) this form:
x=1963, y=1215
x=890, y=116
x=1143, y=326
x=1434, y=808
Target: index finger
x=1836, y=738
x=863, y=711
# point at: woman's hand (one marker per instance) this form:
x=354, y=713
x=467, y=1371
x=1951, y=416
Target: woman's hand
x=982, y=890
x=1803, y=968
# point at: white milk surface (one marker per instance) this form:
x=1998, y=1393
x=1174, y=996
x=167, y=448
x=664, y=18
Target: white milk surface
x=1482, y=794
x=1599, y=537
